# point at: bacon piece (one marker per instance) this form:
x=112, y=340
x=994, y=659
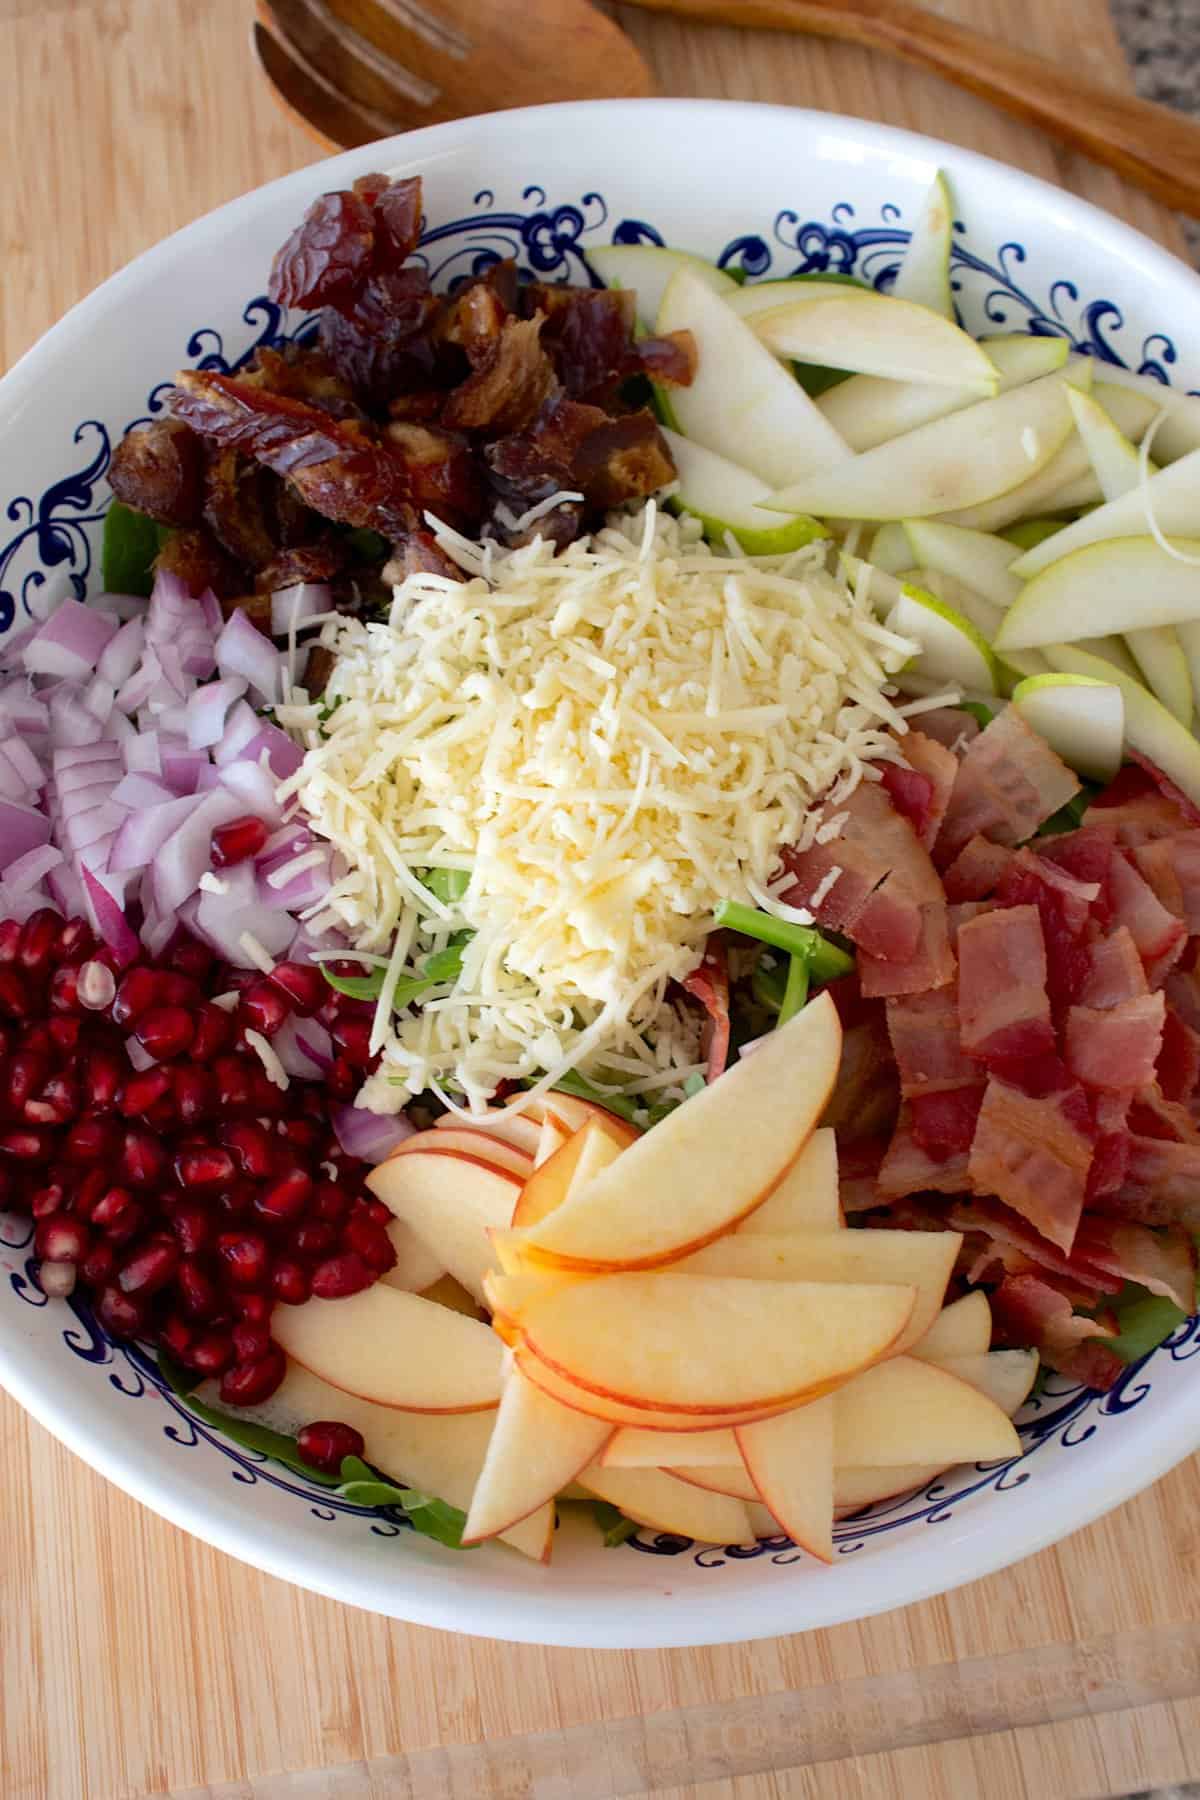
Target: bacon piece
x=977, y=870
x=1114, y=972
x=1171, y=866
x=950, y=726
x=1134, y=808
x=1009, y=782
x=1020, y=1246
x=907, y=1168
x=1188, y=810
x=158, y=469
x=944, y=1123
x=921, y=790
x=709, y=984
x=1034, y=1154
x=930, y=965
x=1178, y=1068
x=1151, y=1114
x=1164, y=1262
x=510, y=385
x=1086, y=854
x=1182, y=988
x=1028, y=1310
x=866, y=1096
x=1161, y=1186
x=1063, y=905
x=961, y=914
x=1115, y=1047
x=1160, y=938
x=1003, y=1004
x=924, y=1034
x=858, y=1170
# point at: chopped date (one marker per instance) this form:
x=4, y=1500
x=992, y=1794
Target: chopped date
x=236, y=506
x=328, y=255
x=443, y=474
x=306, y=374
x=507, y=390
x=158, y=469
x=199, y=561
x=303, y=562
x=380, y=343
x=397, y=221
x=419, y=554
x=473, y=321
x=588, y=335
x=572, y=445
x=670, y=359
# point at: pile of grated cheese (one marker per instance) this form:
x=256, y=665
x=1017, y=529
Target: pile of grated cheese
x=608, y=741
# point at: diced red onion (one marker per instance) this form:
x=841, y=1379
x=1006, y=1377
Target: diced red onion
x=181, y=768
x=66, y=890
x=70, y=643
x=123, y=653
x=30, y=870
x=284, y=756
x=140, y=755
x=206, y=710
x=304, y=1047
x=108, y=920
x=243, y=650
x=222, y=922
x=291, y=606
x=21, y=711
x=22, y=828
x=187, y=853
x=241, y=728
x=368, y=1135
x=141, y=790
x=144, y=833
x=255, y=786
x=26, y=764
x=87, y=828
x=71, y=724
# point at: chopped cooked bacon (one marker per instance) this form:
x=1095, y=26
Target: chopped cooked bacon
x=977, y=870
x=1178, y=1068
x=1114, y=972
x=1171, y=866
x=1086, y=854
x=1161, y=1186
x=1009, y=782
x=1019, y=1246
x=924, y=1034
x=858, y=1169
x=1115, y=1047
x=1034, y=1154
x=920, y=786
x=1167, y=788
x=909, y=1169
x=944, y=1123
x=950, y=726
x=1003, y=1004
x=1134, y=808
x=1182, y=988
x=1164, y=1262
x=930, y=965
x=865, y=1097
x=961, y=914
x=1152, y=1115
x=1026, y=1309
x=1160, y=938
x=709, y=983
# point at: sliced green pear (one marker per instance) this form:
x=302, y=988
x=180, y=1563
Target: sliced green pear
x=1026, y=534
x=725, y=498
x=868, y=410
x=743, y=403
x=924, y=272
x=872, y=334
x=891, y=550
x=1160, y=657
x=1082, y=719
x=1113, y=456
x=1179, y=432
x=647, y=268
x=1149, y=727
x=978, y=558
x=953, y=651
x=983, y=614
x=768, y=296
x=958, y=461
x=1172, y=496
x=1116, y=585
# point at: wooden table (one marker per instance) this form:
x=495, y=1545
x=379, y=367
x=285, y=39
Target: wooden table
x=136, y=1662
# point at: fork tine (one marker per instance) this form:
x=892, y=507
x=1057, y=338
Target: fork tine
x=313, y=101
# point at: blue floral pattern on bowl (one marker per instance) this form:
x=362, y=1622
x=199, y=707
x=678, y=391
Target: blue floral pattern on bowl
x=50, y=554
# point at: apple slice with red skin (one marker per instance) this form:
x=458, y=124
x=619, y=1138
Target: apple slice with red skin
x=395, y=1349
x=661, y=1503
x=451, y=1202
x=907, y=1411
x=585, y=1153
x=790, y=1461
x=417, y=1268
x=856, y=1488
x=551, y=1137
x=636, y=1447
x=520, y=1130
x=732, y=1479
x=807, y=1197
x=477, y=1146
x=537, y=1447
x=963, y=1328
x=604, y=1406
x=707, y=1164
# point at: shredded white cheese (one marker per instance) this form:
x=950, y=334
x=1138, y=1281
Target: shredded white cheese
x=275, y=1070
x=611, y=740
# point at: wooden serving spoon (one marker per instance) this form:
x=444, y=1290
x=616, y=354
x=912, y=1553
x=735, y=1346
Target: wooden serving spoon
x=353, y=70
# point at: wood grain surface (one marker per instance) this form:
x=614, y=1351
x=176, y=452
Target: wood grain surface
x=134, y=1661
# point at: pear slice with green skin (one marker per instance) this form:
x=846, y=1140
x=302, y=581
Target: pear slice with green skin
x=725, y=498
x=979, y=558
x=924, y=272
x=1149, y=727
x=891, y=550
x=868, y=410
x=1027, y=534
x=1161, y=659
x=871, y=334
x=742, y=403
x=1113, y=455
x=647, y=268
x=1081, y=718
x=1179, y=432
x=953, y=651
x=1116, y=585
x=983, y=614
x=1173, y=495
x=958, y=461
x=769, y=296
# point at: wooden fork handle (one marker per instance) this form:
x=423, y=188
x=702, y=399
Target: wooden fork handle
x=1154, y=148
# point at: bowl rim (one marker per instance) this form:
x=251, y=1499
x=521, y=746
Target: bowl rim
x=614, y=1617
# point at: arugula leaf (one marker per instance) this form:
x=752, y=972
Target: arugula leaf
x=769, y=983
x=1070, y=816
x=983, y=715
x=367, y=545
x=355, y=987
x=446, y=885
x=446, y=965
x=433, y=1518
x=612, y=1524
x=581, y=1087
x=241, y=1431
x=129, y=546
x=1145, y=1323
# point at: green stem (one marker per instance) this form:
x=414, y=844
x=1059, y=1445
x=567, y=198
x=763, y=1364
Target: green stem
x=796, y=991
x=825, y=961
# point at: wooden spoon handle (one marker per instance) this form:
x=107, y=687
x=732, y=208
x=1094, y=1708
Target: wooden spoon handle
x=1154, y=148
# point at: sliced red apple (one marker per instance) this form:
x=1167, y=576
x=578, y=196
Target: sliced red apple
x=477, y=1146
x=662, y=1503
x=605, y=1406
x=1005, y=1376
x=709, y=1163
x=807, y=1197
x=537, y=1446
x=635, y=1447
x=790, y=1461
x=962, y=1329
x=520, y=1130
x=451, y=1202
x=551, y=1137
x=448, y=1292
x=417, y=1267
x=731, y=1479
x=712, y=1344
x=395, y=1349
x=855, y=1488
x=575, y=1113
x=582, y=1154
x=920, y=1259
x=906, y=1411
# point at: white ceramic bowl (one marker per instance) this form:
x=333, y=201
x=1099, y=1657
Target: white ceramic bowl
x=777, y=190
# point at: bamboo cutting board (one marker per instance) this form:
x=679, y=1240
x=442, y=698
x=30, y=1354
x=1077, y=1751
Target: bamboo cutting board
x=134, y=1661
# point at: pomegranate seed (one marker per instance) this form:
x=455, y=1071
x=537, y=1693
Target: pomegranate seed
x=341, y=1276
x=195, y=1093
x=95, y=987
x=211, y=1354
x=249, y=1384
x=10, y=940
x=165, y=1031
x=371, y=1242
x=177, y=989
x=75, y=941
x=331, y=1203
x=62, y=1239
x=289, y=1282
x=263, y=1008
x=245, y=1257
x=97, y=1266
x=91, y=1141
x=197, y=1290
x=190, y=957
x=27, y=1071
x=39, y=939
x=143, y=1159
x=375, y=1209
x=14, y=995
x=103, y=1076
x=342, y=1079
x=118, y=1216
x=64, y=990
x=305, y=1135
x=251, y=1340
x=137, y=992
x=122, y=1315
x=214, y=1032
x=32, y=1145
x=64, y=1032
x=326, y=1444
x=193, y=1226
x=251, y=1145
x=57, y=1104
x=175, y=1334
x=285, y=1199
x=149, y=1268
x=141, y=1091
x=255, y=1307
x=304, y=985
x=57, y=1279
x=234, y=842
x=313, y=1238
x=210, y=1167
x=269, y=1101
x=353, y=1039
x=235, y=1083
x=235, y=1205
x=48, y=1200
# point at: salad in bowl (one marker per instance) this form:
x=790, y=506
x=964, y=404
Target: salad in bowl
x=600, y=892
